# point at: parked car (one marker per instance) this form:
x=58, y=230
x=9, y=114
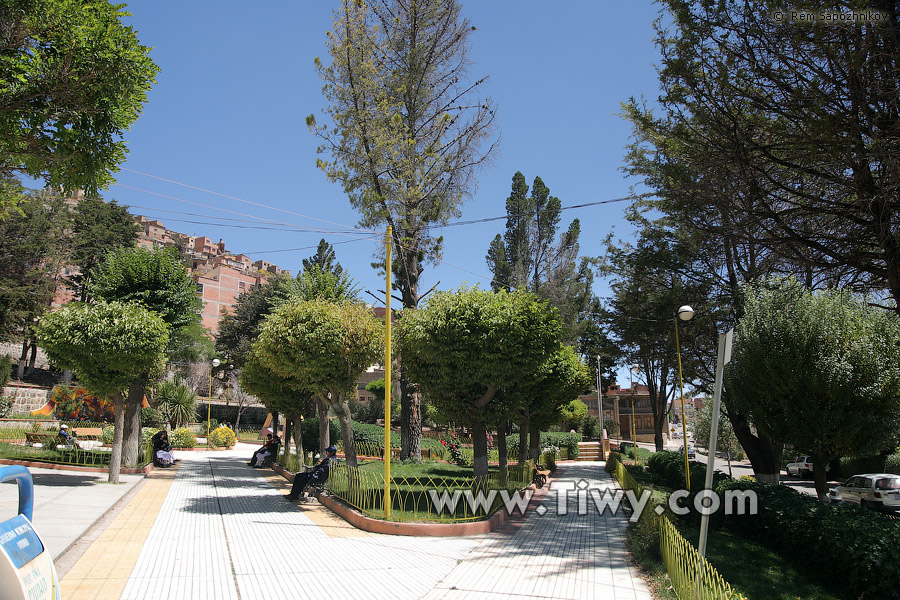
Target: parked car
x=802, y=467
x=691, y=451
x=878, y=491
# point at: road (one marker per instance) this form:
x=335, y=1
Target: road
x=742, y=467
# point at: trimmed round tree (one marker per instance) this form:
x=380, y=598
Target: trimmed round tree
x=110, y=346
x=159, y=281
x=322, y=347
x=467, y=345
x=818, y=370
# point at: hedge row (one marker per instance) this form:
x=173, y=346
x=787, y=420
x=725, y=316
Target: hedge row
x=841, y=543
x=885, y=463
x=560, y=439
x=667, y=469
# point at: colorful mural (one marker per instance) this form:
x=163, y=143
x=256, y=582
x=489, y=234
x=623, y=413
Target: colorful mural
x=71, y=403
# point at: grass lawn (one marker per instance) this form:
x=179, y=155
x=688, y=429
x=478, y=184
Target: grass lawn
x=757, y=572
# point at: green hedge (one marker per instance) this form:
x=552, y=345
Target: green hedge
x=667, y=469
x=885, y=463
x=841, y=543
x=560, y=439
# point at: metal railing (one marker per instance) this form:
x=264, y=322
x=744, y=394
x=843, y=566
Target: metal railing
x=67, y=455
x=431, y=499
x=692, y=576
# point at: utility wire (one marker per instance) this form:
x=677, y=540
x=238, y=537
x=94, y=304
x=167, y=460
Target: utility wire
x=236, y=198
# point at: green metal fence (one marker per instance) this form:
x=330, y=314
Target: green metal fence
x=692, y=576
x=414, y=498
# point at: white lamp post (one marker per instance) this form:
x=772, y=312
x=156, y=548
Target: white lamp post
x=215, y=363
x=685, y=313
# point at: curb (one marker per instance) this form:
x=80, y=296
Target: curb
x=61, y=467
x=360, y=521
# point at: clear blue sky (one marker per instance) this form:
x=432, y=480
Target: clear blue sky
x=237, y=81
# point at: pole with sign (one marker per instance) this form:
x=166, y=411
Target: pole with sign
x=723, y=357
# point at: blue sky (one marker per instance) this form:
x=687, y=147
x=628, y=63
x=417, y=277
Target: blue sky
x=237, y=81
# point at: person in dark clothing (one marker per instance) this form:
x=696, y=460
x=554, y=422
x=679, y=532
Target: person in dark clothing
x=318, y=474
x=162, y=450
x=267, y=451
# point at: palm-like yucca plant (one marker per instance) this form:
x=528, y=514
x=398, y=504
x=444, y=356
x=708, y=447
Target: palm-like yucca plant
x=177, y=401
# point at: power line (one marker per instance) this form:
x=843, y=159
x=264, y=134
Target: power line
x=259, y=204
x=314, y=229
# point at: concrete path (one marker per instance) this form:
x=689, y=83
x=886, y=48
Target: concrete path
x=215, y=528
x=66, y=503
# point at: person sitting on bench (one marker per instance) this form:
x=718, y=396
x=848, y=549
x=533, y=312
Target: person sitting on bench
x=162, y=450
x=66, y=438
x=318, y=474
x=268, y=451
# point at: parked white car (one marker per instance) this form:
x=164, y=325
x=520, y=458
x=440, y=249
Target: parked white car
x=802, y=467
x=878, y=491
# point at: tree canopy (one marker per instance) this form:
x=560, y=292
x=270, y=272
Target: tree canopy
x=72, y=80
x=153, y=278
x=406, y=133
x=110, y=346
x=782, y=134
x=318, y=347
x=818, y=370
x=97, y=228
x=467, y=345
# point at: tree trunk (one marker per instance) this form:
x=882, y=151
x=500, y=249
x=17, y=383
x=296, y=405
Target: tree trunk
x=820, y=477
x=132, y=431
x=763, y=452
x=479, y=447
x=523, y=438
x=66, y=377
x=115, y=459
x=275, y=423
x=240, y=411
x=288, y=432
x=410, y=420
x=23, y=358
x=342, y=410
x=30, y=370
x=324, y=434
x=534, y=433
x=298, y=438
x=501, y=452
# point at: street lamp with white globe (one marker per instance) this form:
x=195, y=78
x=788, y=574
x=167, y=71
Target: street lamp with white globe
x=215, y=363
x=685, y=313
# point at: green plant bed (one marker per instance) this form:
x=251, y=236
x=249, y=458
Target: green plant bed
x=756, y=571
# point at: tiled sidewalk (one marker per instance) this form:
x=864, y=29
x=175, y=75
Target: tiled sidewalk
x=224, y=531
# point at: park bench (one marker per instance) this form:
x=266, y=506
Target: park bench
x=88, y=433
x=40, y=438
x=540, y=476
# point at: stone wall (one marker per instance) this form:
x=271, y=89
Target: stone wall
x=26, y=398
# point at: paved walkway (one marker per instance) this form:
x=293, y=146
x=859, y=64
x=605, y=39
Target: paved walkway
x=215, y=528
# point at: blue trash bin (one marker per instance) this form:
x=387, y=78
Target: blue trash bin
x=26, y=567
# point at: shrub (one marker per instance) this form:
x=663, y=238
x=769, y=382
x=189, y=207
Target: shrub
x=182, y=438
x=841, y=543
x=107, y=435
x=847, y=467
x=177, y=401
x=667, y=469
x=152, y=417
x=6, y=405
x=549, y=439
x=5, y=371
x=310, y=430
x=222, y=437
x=591, y=427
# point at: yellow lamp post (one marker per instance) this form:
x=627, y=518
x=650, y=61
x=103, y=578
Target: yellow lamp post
x=685, y=313
x=387, y=374
x=215, y=363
